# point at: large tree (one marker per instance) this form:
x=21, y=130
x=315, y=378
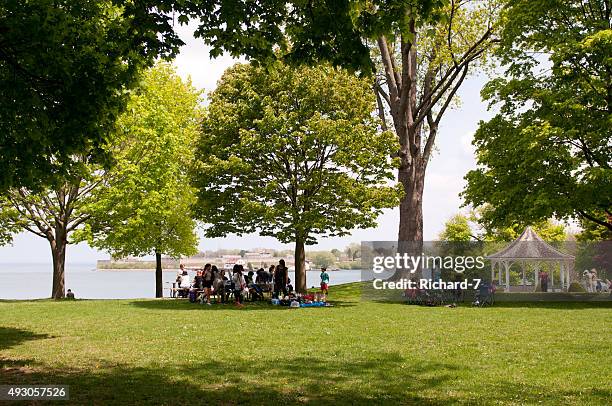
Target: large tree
x=294, y=153
x=422, y=51
x=65, y=66
x=143, y=207
x=547, y=152
x=53, y=213
x=142, y=202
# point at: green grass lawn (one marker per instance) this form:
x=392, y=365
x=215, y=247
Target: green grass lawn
x=174, y=352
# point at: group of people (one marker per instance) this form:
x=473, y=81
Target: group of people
x=241, y=284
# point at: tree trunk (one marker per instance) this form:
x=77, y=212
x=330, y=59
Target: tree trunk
x=411, y=205
x=159, y=292
x=300, y=265
x=58, y=252
x=410, y=236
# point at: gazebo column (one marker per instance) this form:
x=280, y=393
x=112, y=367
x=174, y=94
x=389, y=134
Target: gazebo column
x=507, y=266
x=562, y=276
x=552, y=279
x=536, y=268
x=492, y=272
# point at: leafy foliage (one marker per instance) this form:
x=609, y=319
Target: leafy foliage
x=144, y=206
x=53, y=213
x=457, y=229
x=323, y=259
x=302, y=31
x=64, y=69
x=591, y=231
x=547, y=152
x=472, y=227
x=425, y=50
x=293, y=153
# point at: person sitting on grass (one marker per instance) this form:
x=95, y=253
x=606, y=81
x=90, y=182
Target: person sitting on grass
x=239, y=284
x=260, y=278
x=289, y=287
x=198, y=281
x=70, y=295
x=255, y=288
x=324, y=281
x=249, y=278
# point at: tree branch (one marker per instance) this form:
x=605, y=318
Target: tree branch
x=595, y=220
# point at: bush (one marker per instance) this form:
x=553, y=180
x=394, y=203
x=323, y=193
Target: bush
x=348, y=264
x=322, y=259
x=576, y=288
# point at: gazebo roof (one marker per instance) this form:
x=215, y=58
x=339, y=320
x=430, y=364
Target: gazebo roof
x=530, y=246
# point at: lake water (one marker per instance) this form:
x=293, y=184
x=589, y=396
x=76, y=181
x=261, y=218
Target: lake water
x=33, y=281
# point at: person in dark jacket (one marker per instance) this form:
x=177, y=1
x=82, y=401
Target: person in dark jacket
x=281, y=279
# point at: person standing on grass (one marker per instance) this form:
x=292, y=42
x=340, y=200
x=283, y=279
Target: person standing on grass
x=239, y=284
x=281, y=275
x=270, y=274
x=209, y=277
x=324, y=281
x=544, y=281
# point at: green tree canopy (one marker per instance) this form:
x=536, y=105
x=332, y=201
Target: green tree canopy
x=327, y=30
x=144, y=207
x=547, y=152
x=473, y=227
x=457, y=229
x=420, y=50
x=64, y=69
x=294, y=153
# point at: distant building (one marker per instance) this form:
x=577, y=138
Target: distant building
x=258, y=255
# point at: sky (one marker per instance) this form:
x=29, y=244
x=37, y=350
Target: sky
x=453, y=158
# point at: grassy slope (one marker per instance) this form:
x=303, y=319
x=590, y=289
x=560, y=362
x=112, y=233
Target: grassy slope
x=151, y=351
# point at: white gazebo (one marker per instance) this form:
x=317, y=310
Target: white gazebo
x=530, y=248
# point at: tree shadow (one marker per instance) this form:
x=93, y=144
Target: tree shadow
x=377, y=378
x=10, y=337
x=244, y=381
x=183, y=304
x=542, y=300
x=554, y=305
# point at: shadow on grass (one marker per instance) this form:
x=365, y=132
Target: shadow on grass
x=183, y=304
x=10, y=337
x=379, y=378
x=507, y=300
x=515, y=305
x=554, y=305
